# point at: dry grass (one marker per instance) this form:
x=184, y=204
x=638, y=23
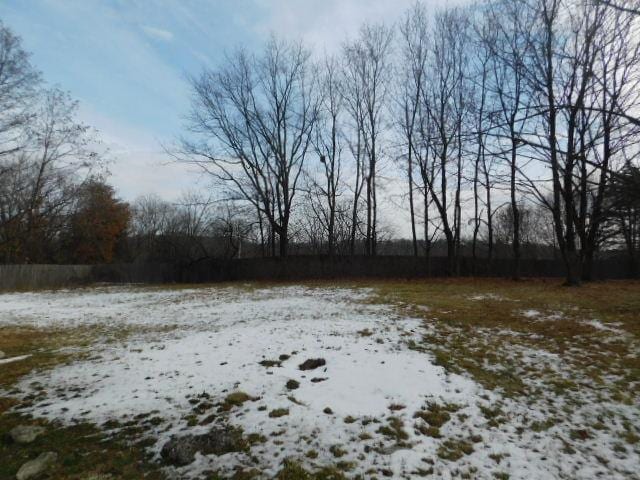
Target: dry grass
x=83, y=449
x=479, y=321
x=473, y=326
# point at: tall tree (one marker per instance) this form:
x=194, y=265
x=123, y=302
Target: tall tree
x=415, y=37
x=328, y=142
x=445, y=103
x=369, y=59
x=508, y=45
x=252, y=124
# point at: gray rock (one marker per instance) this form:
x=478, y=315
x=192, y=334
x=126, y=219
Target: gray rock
x=24, y=434
x=181, y=450
x=1, y=355
x=36, y=467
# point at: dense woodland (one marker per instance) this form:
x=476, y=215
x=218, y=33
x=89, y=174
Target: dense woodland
x=505, y=129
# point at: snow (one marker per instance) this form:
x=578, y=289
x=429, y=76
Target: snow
x=13, y=359
x=598, y=325
x=185, y=342
x=486, y=296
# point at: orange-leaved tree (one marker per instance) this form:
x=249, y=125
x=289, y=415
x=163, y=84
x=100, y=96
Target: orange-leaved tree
x=98, y=223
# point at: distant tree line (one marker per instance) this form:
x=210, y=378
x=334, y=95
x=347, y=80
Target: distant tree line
x=508, y=128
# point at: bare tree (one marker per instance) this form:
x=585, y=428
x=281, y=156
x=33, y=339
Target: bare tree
x=445, y=103
x=415, y=36
x=368, y=59
x=253, y=120
x=18, y=89
x=325, y=182
x=58, y=155
x=626, y=6
x=354, y=102
x=483, y=121
x=610, y=139
x=505, y=40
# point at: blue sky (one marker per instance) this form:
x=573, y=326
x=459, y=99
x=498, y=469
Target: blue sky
x=126, y=61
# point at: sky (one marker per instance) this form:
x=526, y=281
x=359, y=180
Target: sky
x=127, y=62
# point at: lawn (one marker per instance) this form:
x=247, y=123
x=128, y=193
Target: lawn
x=325, y=380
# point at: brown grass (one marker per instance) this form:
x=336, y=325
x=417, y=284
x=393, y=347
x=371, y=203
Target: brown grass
x=471, y=333
x=468, y=336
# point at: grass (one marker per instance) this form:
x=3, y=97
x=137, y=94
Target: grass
x=453, y=450
x=394, y=430
x=472, y=334
x=82, y=450
x=292, y=384
x=293, y=470
x=278, y=412
x=481, y=338
x=436, y=415
x=235, y=399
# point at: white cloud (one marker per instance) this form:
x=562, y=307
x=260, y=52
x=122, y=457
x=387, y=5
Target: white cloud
x=139, y=165
x=157, y=33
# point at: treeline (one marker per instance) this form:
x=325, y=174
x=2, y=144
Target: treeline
x=502, y=108
x=509, y=128
x=194, y=228
x=54, y=204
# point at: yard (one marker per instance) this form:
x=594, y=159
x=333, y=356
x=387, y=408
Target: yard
x=324, y=380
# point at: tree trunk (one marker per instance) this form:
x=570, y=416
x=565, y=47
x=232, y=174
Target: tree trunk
x=427, y=239
x=476, y=216
x=573, y=264
x=489, y=217
x=451, y=254
x=368, y=239
x=515, y=211
x=283, y=236
x=411, y=207
x=356, y=197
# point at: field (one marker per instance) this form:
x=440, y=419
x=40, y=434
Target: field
x=371, y=379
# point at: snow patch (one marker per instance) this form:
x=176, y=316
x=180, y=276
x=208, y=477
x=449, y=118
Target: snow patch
x=530, y=313
x=13, y=359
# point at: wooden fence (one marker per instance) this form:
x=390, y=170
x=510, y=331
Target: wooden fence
x=28, y=277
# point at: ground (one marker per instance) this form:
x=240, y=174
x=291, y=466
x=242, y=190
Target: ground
x=441, y=379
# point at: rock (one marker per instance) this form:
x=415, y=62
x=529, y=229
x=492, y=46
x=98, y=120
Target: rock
x=292, y=384
x=218, y=441
x=2, y=355
x=312, y=363
x=328, y=411
x=24, y=434
x=318, y=379
x=36, y=467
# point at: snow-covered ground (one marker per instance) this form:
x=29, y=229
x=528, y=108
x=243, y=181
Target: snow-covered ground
x=183, y=343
